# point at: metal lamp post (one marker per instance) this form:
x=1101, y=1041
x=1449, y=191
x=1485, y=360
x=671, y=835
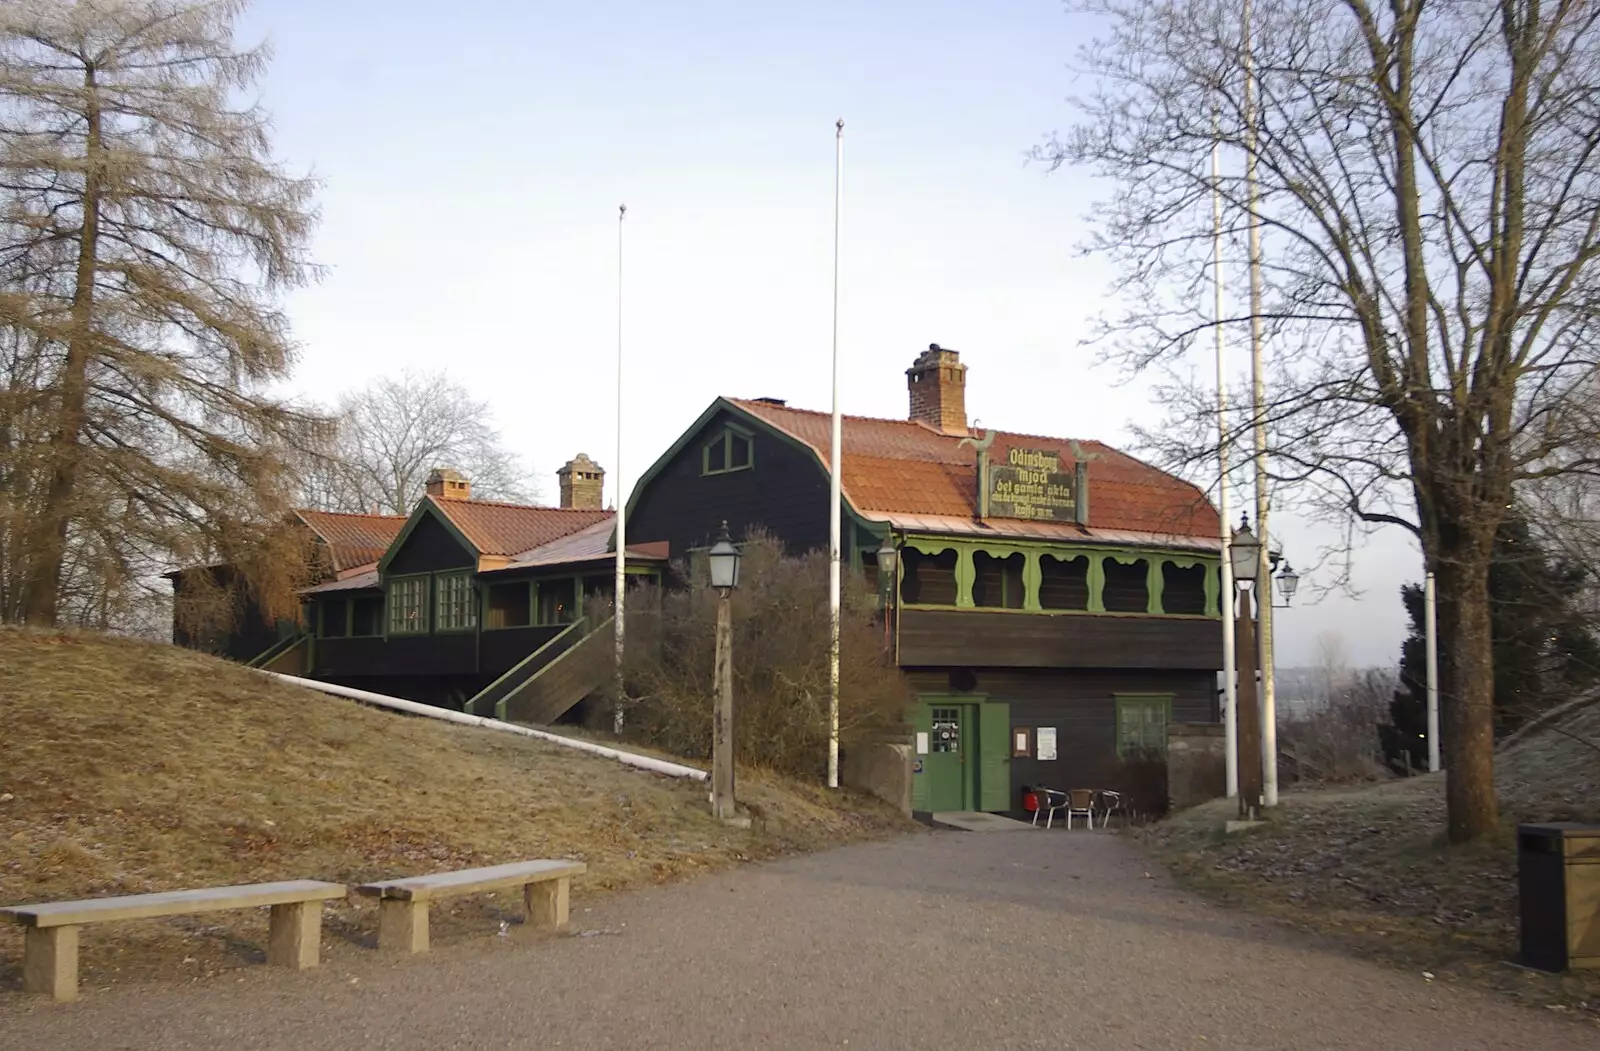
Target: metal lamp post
x=888, y=563
x=1246, y=555
x=724, y=560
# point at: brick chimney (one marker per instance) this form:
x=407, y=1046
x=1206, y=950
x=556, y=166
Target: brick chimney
x=938, y=383
x=445, y=484
x=582, y=483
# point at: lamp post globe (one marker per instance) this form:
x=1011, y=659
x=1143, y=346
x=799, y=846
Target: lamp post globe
x=724, y=559
x=1246, y=552
x=1288, y=582
x=888, y=558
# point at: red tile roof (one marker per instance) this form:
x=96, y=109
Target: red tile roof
x=507, y=530
x=902, y=471
x=353, y=541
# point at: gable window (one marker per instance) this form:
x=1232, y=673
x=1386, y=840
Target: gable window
x=408, y=606
x=732, y=450
x=1142, y=724
x=997, y=582
x=456, y=603
x=1064, y=582
x=929, y=580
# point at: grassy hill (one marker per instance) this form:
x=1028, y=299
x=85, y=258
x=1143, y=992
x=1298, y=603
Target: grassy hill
x=128, y=767
x=1368, y=864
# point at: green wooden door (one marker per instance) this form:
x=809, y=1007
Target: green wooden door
x=994, y=756
x=946, y=766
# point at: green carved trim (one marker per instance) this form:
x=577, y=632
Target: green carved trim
x=966, y=573
x=1097, y=583
x=1032, y=580
x=1213, y=591
x=1154, y=581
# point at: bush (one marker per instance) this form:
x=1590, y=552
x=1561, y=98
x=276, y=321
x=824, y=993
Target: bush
x=1336, y=737
x=780, y=665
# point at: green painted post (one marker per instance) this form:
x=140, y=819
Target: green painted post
x=1097, y=583
x=1213, y=589
x=1153, y=583
x=966, y=573
x=1032, y=580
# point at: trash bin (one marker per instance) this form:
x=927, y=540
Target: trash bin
x=1558, y=879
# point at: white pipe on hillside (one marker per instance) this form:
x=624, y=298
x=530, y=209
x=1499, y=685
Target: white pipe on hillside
x=643, y=762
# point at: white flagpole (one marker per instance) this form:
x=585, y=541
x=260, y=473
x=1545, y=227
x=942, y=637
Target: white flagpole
x=834, y=500
x=1258, y=398
x=1226, y=600
x=1430, y=619
x=620, y=586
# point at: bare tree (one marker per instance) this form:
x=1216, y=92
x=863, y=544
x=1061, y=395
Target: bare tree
x=1431, y=200
x=395, y=431
x=145, y=234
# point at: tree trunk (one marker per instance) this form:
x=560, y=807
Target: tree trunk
x=50, y=550
x=1467, y=706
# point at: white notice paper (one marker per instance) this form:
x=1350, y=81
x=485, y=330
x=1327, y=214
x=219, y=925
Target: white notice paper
x=922, y=742
x=1046, y=738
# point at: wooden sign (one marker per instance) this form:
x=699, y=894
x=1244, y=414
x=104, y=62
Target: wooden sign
x=1030, y=484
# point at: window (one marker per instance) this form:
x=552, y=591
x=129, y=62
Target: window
x=1127, y=586
x=1064, y=582
x=732, y=450
x=556, y=601
x=997, y=582
x=1142, y=723
x=408, y=606
x=510, y=605
x=456, y=603
x=366, y=615
x=1183, y=589
x=334, y=624
x=929, y=580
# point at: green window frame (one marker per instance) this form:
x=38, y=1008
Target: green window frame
x=734, y=449
x=455, y=602
x=1142, y=720
x=408, y=605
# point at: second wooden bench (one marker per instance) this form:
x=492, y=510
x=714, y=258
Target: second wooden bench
x=403, y=903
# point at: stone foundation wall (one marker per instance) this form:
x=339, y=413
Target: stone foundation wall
x=880, y=768
x=1196, y=763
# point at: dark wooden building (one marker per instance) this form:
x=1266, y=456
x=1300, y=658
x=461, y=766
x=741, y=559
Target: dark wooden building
x=466, y=603
x=1055, y=603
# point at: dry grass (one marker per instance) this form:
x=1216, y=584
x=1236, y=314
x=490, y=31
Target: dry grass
x=1369, y=866
x=127, y=767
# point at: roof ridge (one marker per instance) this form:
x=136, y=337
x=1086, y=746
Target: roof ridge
x=347, y=514
x=768, y=406
x=520, y=507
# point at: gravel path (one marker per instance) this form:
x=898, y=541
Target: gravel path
x=1020, y=939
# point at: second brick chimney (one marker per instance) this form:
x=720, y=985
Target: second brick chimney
x=938, y=383
x=583, y=484
x=445, y=484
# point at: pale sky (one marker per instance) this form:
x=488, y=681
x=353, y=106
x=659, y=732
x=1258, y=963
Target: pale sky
x=474, y=155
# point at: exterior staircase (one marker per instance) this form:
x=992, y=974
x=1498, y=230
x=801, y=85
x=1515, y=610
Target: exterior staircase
x=287, y=656
x=547, y=683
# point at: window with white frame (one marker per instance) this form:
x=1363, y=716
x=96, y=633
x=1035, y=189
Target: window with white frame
x=455, y=603
x=408, y=606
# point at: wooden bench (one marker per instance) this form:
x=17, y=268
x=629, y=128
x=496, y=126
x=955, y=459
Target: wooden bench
x=403, y=903
x=50, y=950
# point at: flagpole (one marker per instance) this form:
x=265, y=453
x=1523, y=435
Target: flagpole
x=620, y=585
x=834, y=461
x=1227, y=599
x=1258, y=397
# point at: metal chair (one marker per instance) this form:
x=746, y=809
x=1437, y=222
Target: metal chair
x=1081, y=801
x=1110, y=803
x=1050, y=803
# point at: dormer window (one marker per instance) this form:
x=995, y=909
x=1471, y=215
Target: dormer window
x=733, y=449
